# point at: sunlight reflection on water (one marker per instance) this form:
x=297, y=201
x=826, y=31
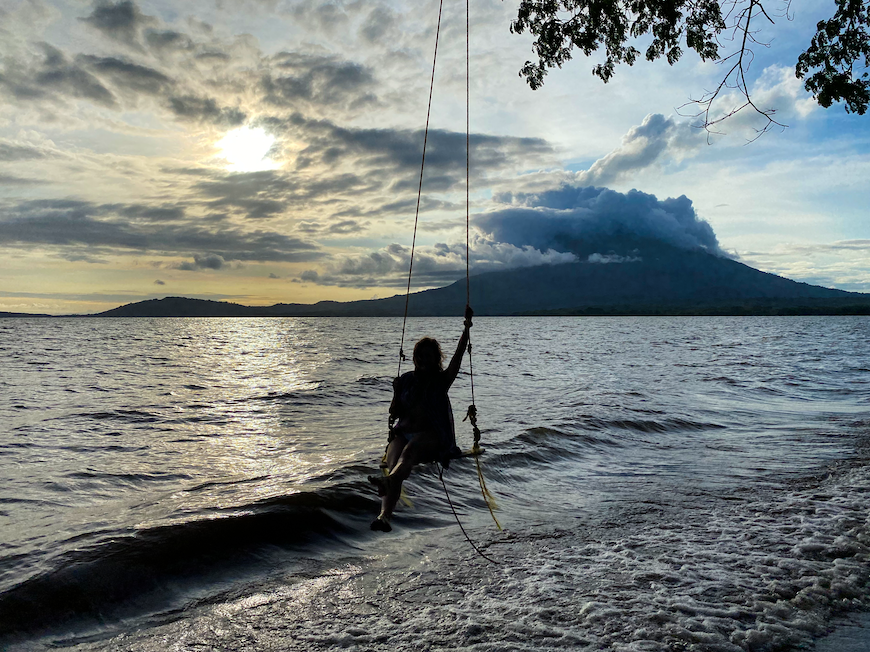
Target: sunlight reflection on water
x=172, y=443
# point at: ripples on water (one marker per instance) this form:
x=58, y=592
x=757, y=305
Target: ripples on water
x=665, y=483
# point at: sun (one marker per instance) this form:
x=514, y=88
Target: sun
x=245, y=149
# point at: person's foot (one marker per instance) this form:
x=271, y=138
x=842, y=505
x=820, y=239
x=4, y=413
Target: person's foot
x=381, y=524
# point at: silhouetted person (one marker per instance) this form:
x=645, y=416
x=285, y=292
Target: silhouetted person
x=421, y=419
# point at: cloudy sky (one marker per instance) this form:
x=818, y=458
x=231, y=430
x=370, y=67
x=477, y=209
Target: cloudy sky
x=266, y=151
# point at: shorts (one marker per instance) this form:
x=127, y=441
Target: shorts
x=411, y=436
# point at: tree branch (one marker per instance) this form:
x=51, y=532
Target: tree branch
x=745, y=56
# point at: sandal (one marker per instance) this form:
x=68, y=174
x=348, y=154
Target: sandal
x=381, y=524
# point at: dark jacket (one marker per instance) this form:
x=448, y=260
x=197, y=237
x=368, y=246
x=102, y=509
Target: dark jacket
x=421, y=405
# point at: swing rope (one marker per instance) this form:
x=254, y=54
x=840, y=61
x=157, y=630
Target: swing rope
x=472, y=410
x=453, y=509
x=419, y=191
x=471, y=414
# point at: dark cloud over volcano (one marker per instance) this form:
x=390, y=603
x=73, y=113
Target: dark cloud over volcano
x=589, y=220
x=567, y=224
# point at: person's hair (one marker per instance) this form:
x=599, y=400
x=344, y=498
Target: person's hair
x=428, y=352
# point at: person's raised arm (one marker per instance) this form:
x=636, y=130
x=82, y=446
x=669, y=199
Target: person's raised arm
x=453, y=368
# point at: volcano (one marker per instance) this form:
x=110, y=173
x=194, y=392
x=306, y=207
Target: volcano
x=639, y=278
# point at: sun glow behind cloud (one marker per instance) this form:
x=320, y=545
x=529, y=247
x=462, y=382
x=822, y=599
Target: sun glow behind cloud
x=215, y=150
x=246, y=149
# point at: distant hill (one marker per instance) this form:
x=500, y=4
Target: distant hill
x=182, y=307
x=4, y=315
x=667, y=281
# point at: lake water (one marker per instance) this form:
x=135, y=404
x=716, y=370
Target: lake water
x=663, y=484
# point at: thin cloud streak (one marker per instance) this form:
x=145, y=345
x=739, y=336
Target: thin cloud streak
x=73, y=225
x=111, y=112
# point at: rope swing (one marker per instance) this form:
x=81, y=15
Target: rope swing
x=471, y=414
x=420, y=191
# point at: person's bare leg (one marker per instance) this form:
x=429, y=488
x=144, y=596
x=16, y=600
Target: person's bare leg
x=397, y=476
x=394, y=451
x=385, y=489
x=421, y=448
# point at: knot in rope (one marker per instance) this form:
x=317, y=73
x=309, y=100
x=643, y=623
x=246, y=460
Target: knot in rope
x=471, y=415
